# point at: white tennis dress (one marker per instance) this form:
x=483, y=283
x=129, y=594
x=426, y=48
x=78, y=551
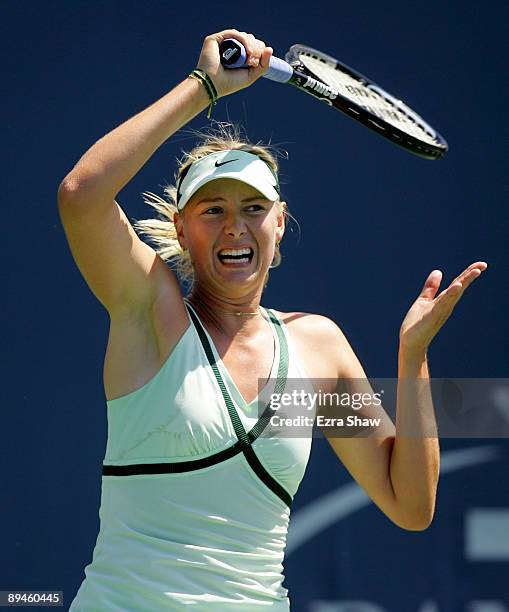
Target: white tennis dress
x=196, y=494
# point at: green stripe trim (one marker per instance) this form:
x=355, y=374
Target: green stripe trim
x=240, y=432
x=248, y=438
x=245, y=439
x=172, y=468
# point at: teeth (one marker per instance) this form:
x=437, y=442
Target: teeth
x=235, y=252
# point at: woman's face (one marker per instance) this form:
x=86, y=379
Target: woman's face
x=230, y=230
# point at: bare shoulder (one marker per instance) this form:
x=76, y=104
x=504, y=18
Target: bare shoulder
x=310, y=325
x=318, y=340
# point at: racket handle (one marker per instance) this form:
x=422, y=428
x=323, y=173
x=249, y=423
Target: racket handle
x=233, y=55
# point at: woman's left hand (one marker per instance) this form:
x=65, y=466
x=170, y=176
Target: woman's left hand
x=428, y=313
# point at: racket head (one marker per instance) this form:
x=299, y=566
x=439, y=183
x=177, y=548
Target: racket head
x=362, y=99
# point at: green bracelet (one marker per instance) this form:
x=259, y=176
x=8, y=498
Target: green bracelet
x=203, y=77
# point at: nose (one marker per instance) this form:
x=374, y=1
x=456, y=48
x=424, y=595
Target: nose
x=234, y=225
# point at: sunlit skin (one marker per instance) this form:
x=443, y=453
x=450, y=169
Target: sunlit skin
x=148, y=318
x=430, y=311
x=227, y=213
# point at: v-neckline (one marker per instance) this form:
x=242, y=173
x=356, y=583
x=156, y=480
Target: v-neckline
x=232, y=386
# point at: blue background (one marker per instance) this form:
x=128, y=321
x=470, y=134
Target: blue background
x=374, y=220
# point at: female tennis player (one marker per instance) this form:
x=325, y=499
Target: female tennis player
x=195, y=495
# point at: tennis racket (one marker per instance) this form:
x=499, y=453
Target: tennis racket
x=341, y=87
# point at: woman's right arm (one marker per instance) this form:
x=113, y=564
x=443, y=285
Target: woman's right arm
x=121, y=270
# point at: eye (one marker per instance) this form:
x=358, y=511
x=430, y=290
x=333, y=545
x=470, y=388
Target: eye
x=255, y=207
x=212, y=210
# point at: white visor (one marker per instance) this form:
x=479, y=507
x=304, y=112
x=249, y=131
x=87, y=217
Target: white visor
x=239, y=165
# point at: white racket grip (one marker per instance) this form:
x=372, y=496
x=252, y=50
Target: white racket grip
x=233, y=55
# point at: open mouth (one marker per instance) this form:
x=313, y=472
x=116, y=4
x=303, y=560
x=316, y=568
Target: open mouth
x=236, y=256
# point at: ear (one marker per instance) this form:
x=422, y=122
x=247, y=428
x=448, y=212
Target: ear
x=179, y=229
x=280, y=227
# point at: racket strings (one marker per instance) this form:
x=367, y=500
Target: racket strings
x=370, y=100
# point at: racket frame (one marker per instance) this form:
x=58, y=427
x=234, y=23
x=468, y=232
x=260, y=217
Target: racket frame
x=301, y=79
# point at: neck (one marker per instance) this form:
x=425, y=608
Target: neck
x=228, y=315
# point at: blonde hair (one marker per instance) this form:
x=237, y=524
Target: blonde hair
x=161, y=231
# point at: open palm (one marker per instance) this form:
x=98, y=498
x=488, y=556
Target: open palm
x=428, y=313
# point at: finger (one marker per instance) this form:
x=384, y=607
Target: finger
x=260, y=49
x=469, y=278
x=474, y=271
x=260, y=45
x=482, y=265
x=247, y=40
x=263, y=66
x=256, y=55
x=466, y=278
x=229, y=33
x=264, y=62
x=251, y=46
x=452, y=290
x=478, y=265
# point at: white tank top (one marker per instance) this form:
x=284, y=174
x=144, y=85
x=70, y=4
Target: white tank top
x=194, y=506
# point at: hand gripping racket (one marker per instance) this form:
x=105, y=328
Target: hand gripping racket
x=343, y=88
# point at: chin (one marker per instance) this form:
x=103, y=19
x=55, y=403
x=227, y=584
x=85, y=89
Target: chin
x=240, y=275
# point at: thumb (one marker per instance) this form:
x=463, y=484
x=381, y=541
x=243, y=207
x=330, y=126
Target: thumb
x=431, y=285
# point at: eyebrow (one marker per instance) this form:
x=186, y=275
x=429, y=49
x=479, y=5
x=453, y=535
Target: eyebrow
x=220, y=199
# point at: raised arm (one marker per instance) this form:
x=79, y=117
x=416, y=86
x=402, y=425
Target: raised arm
x=399, y=466
x=121, y=270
